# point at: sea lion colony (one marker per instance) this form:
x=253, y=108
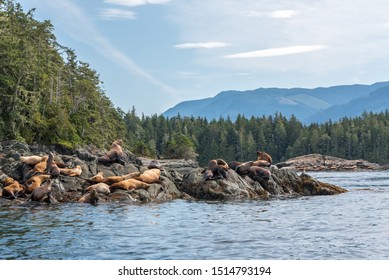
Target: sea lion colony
x=39, y=172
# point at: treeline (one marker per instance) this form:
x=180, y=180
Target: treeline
x=365, y=137
x=48, y=96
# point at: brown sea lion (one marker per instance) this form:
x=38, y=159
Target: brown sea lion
x=257, y=171
x=41, y=192
x=35, y=181
x=150, y=176
x=243, y=169
x=11, y=188
x=264, y=156
x=129, y=184
x=219, y=171
x=51, y=166
x=99, y=187
x=115, y=154
x=155, y=164
x=72, y=172
x=207, y=174
x=91, y=197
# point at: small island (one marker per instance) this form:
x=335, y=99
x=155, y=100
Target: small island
x=176, y=179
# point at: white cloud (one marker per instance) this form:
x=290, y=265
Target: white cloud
x=117, y=14
x=204, y=45
x=283, y=13
x=276, y=51
x=133, y=3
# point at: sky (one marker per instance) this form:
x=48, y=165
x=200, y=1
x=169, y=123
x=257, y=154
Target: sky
x=153, y=54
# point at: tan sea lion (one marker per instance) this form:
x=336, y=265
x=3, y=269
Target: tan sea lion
x=39, y=167
x=31, y=160
x=72, y=172
x=129, y=184
x=35, y=181
x=99, y=187
x=150, y=176
x=11, y=188
x=261, y=163
x=99, y=178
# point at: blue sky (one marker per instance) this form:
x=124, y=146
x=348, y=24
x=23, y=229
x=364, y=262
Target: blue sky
x=153, y=54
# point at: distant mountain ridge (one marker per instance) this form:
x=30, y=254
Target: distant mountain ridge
x=308, y=105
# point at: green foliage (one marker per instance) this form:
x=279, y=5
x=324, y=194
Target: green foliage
x=46, y=94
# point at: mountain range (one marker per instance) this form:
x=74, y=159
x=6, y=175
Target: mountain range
x=308, y=105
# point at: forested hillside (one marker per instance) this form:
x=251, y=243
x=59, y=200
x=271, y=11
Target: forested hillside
x=48, y=96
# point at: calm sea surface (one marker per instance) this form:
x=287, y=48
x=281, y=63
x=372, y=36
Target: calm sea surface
x=354, y=225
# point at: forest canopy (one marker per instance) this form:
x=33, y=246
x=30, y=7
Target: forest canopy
x=48, y=96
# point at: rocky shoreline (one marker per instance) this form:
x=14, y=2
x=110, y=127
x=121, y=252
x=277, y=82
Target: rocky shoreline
x=319, y=162
x=179, y=179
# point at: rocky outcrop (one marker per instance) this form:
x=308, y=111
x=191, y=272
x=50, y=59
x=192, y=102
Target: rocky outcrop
x=318, y=162
x=283, y=183
x=178, y=179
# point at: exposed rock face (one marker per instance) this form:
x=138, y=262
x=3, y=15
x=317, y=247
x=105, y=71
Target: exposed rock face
x=178, y=179
x=283, y=182
x=318, y=162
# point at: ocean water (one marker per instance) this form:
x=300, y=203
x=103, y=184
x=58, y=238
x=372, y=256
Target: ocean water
x=353, y=225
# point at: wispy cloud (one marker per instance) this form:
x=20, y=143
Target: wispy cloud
x=133, y=3
x=76, y=19
x=110, y=14
x=276, y=51
x=204, y=45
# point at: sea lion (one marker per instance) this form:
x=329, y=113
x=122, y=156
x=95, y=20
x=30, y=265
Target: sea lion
x=234, y=164
x=115, y=154
x=257, y=171
x=72, y=172
x=91, y=197
x=99, y=187
x=155, y=164
x=243, y=169
x=35, y=181
x=41, y=192
x=207, y=174
x=99, y=178
x=150, y=176
x=11, y=188
x=261, y=163
x=51, y=166
x=264, y=156
x=129, y=184
x=31, y=160
x=38, y=168
x=219, y=171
